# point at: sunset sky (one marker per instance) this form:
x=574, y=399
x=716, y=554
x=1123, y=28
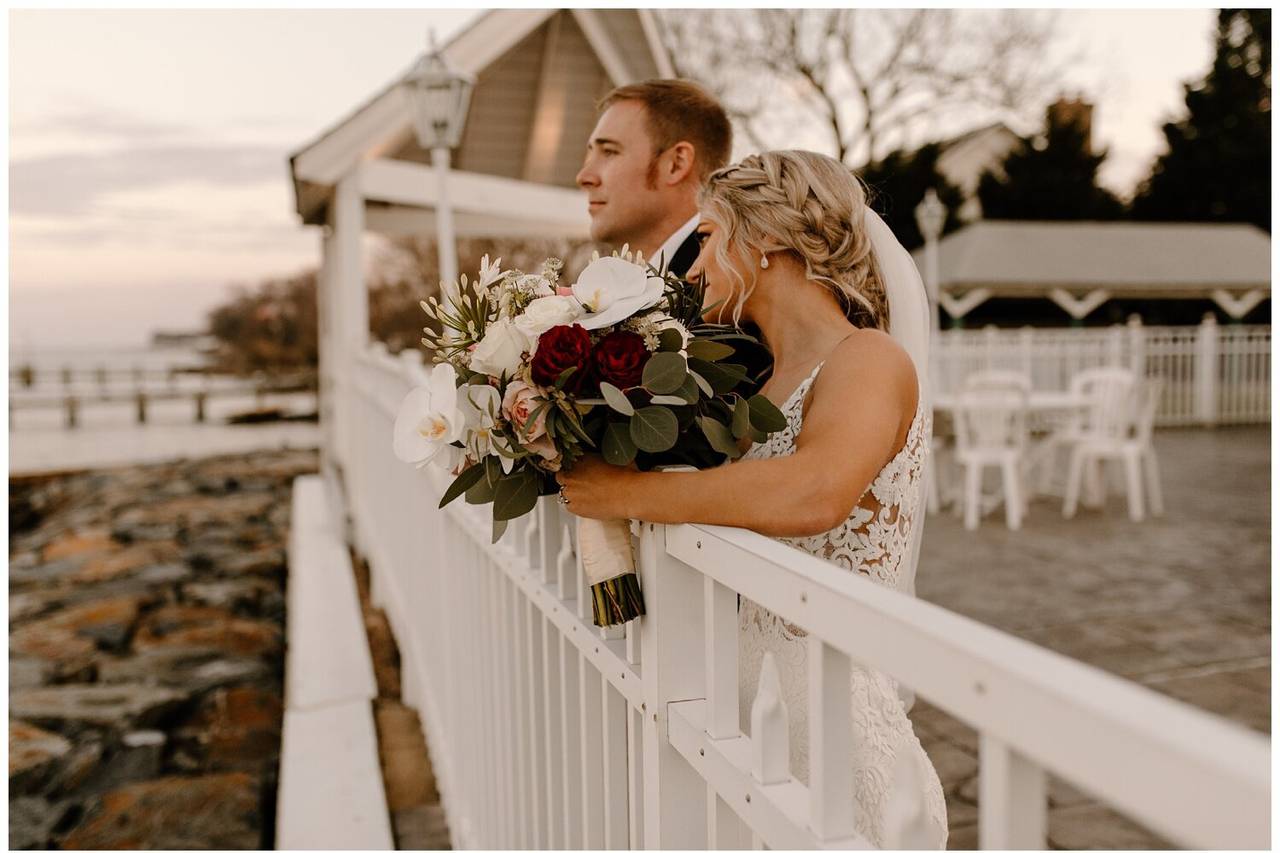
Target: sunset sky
x=148, y=149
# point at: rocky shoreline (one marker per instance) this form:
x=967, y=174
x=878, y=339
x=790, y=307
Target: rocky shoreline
x=146, y=653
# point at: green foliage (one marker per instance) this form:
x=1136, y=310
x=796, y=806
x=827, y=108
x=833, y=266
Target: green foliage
x=1054, y=177
x=1218, y=164
x=896, y=185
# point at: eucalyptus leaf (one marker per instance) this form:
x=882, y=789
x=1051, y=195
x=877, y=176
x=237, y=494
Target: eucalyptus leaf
x=741, y=418
x=719, y=436
x=765, y=416
x=481, y=492
x=515, y=495
x=468, y=478
x=708, y=350
x=664, y=372
x=702, y=384
x=670, y=340
x=616, y=399
x=722, y=377
x=499, y=528
x=617, y=447
x=654, y=429
x=668, y=400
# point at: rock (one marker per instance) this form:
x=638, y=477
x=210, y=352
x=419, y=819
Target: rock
x=235, y=728
x=33, y=754
x=76, y=767
x=237, y=594
x=196, y=669
x=82, y=544
x=42, y=573
x=267, y=561
x=208, y=628
x=174, y=812
x=72, y=707
x=137, y=759
x=72, y=634
x=31, y=672
x=33, y=821
x=126, y=561
x=198, y=510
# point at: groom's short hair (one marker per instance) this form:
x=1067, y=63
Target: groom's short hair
x=681, y=111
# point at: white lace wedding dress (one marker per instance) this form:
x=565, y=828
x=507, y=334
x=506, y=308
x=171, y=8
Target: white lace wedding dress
x=873, y=541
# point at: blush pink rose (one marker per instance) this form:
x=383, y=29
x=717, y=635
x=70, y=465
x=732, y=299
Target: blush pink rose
x=519, y=404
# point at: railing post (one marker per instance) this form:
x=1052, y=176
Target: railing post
x=671, y=633
x=1207, y=371
x=1137, y=347
x=1012, y=804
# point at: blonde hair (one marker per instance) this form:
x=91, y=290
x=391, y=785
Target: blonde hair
x=810, y=205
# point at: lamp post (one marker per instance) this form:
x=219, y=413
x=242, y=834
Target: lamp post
x=441, y=96
x=931, y=215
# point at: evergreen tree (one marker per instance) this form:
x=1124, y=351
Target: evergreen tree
x=896, y=185
x=1054, y=177
x=1218, y=166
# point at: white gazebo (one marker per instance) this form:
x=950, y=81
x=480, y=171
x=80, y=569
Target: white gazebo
x=539, y=74
x=1081, y=265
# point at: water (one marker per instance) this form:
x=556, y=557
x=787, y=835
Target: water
x=108, y=434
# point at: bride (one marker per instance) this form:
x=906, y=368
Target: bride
x=789, y=245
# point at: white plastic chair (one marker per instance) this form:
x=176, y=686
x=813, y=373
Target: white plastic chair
x=1101, y=432
x=991, y=431
x=997, y=379
x=1146, y=402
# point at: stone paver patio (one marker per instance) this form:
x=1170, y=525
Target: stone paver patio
x=1180, y=604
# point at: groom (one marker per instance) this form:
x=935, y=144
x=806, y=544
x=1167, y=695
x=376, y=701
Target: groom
x=650, y=152
x=652, y=149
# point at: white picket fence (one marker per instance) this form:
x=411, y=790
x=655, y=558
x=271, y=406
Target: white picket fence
x=1212, y=374
x=547, y=732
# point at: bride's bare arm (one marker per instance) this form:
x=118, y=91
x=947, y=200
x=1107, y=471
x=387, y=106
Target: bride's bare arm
x=863, y=402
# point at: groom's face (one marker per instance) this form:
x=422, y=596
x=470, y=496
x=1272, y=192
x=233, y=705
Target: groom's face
x=619, y=177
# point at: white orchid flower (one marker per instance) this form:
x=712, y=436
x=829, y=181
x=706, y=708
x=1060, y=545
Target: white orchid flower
x=481, y=407
x=612, y=289
x=429, y=419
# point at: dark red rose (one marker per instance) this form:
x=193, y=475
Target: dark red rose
x=620, y=358
x=560, y=348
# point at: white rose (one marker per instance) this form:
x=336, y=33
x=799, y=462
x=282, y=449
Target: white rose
x=429, y=419
x=612, y=290
x=499, y=351
x=548, y=311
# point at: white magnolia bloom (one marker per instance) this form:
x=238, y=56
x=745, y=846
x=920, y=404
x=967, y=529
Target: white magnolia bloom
x=612, y=289
x=429, y=419
x=500, y=350
x=548, y=311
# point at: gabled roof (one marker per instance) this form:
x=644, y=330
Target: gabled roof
x=1154, y=258
x=624, y=41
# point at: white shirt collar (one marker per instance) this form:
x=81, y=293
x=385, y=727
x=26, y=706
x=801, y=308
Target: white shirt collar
x=668, y=249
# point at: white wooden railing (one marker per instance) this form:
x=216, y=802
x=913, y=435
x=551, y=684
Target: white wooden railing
x=547, y=732
x=1212, y=374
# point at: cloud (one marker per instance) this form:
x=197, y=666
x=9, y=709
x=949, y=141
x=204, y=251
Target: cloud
x=71, y=184
x=102, y=124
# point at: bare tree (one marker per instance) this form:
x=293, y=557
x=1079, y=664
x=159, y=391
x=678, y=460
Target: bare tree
x=864, y=79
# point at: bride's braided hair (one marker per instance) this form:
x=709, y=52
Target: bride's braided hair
x=805, y=203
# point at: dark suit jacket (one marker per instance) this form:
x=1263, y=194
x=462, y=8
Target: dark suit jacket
x=756, y=358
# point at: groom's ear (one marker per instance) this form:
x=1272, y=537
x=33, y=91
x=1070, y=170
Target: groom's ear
x=677, y=163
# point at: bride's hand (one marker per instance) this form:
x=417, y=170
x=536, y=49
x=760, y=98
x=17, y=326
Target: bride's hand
x=596, y=489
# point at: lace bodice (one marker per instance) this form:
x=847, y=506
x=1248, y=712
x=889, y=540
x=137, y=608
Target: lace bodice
x=875, y=541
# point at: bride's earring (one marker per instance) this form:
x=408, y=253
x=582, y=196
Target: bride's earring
x=764, y=262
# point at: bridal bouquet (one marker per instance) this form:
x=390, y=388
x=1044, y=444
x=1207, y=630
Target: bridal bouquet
x=530, y=375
